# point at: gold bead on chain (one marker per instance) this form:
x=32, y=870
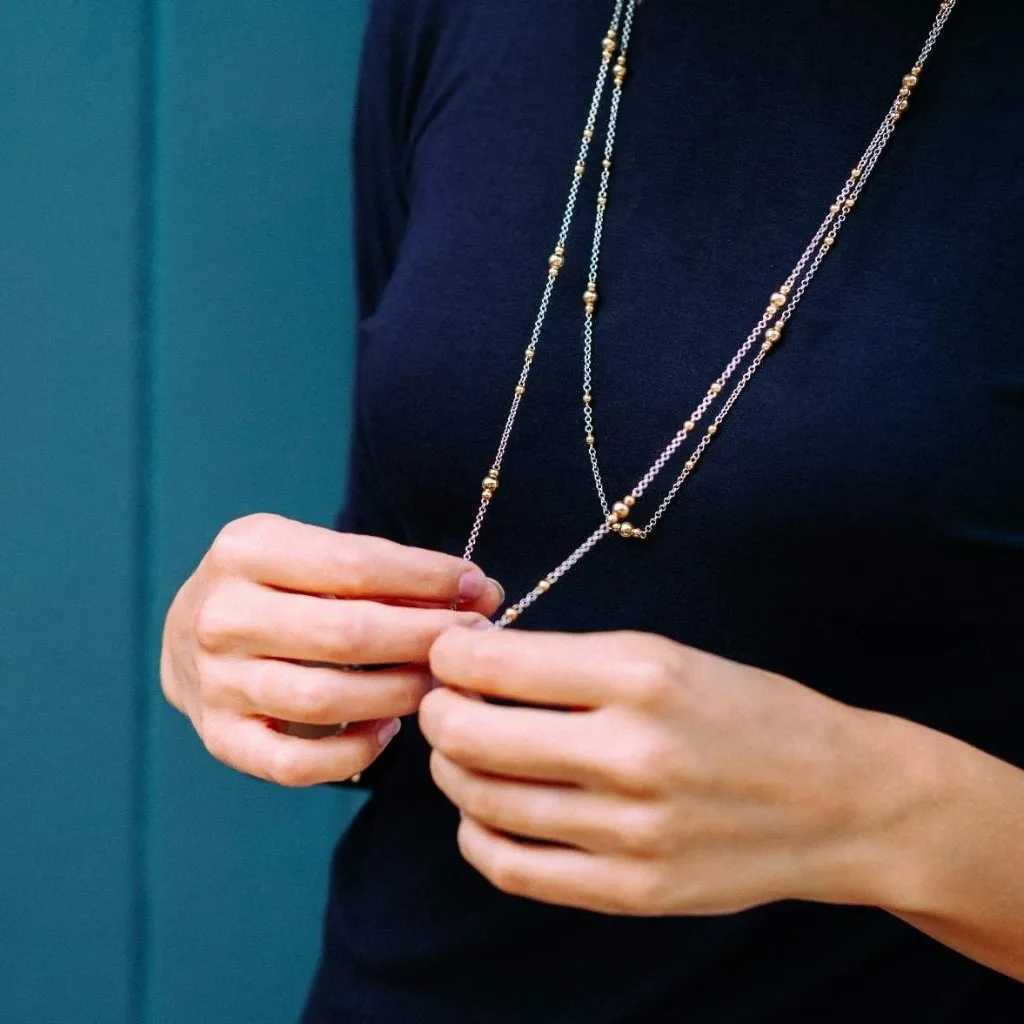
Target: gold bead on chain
x=765, y=335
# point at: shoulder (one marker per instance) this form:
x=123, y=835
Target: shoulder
x=411, y=32
x=400, y=41
x=400, y=26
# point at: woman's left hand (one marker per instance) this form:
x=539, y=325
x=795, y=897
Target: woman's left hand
x=659, y=779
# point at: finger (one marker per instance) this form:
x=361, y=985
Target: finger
x=553, y=874
x=243, y=618
x=558, y=814
x=492, y=599
x=249, y=746
x=309, y=559
x=525, y=743
x=558, y=669
x=323, y=695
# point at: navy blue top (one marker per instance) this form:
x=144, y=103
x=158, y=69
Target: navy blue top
x=858, y=525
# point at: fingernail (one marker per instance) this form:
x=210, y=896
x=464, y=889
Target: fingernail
x=482, y=624
x=387, y=732
x=498, y=587
x=472, y=584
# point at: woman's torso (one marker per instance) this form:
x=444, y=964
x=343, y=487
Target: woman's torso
x=858, y=525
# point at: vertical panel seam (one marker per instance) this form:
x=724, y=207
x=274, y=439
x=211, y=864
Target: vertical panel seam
x=142, y=618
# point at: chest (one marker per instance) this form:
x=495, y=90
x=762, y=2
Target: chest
x=892, y=417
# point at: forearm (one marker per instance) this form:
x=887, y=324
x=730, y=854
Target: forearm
x=955, y=860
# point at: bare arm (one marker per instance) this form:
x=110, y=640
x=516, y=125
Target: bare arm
x=684, y=783
x=958, y=864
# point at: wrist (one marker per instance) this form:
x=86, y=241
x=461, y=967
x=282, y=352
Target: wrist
x=908, y=793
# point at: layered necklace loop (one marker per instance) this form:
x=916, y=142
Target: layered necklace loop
x=702, y=425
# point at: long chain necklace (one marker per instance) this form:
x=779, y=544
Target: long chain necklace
x=723, y=392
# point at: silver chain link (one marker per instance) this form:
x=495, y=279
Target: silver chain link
x=553, y=269
x=724, y=389
x=595, y=260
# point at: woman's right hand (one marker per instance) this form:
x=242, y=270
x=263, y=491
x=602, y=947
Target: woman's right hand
x=252, y=639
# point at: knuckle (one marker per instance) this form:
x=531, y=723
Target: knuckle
x=217, y=743
x=217, y=626
x=470, y=855
x=444, y=656
x=649, y=680
x=352, y=567
x=355, y=632
x=455, y=651
x=454, y=737
x=309, y=699
x=651, y=763
x=444, y=726
x=508, y=875
x=429, y=710
x=236, y=539
x=479, y=800
x=640, y=766
x=411, y=689
x=216, y=682
x=289, y=767
x=646, y=832
x=259, y=683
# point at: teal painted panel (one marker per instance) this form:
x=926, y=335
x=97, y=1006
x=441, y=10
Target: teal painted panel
x=70, y=97
x=251, y=373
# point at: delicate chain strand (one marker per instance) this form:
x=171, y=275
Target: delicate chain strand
x=555, y=263
x=595, y=258
x=819, y=246
x=780, y=310
x=850, y=190
x=827, y=233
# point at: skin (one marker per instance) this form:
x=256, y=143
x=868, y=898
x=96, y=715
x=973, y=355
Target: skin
x=638, y=776
x=255, y=636
x=665, y=780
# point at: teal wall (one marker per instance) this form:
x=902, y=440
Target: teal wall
x=175, y=322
